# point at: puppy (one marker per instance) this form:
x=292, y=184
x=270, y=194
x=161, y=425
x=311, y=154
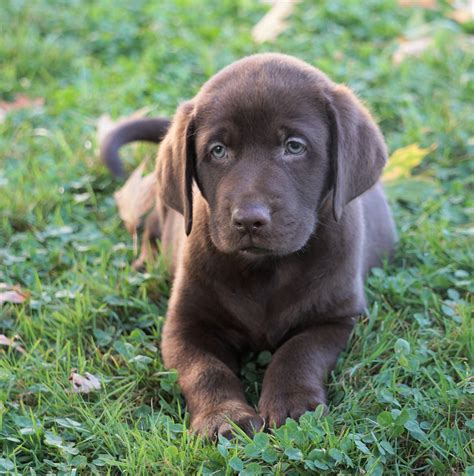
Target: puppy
x=270, y=209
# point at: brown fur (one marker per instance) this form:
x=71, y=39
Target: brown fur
x=278, y=245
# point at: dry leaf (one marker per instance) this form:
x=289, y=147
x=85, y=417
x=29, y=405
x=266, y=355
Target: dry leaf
x=463, y=11
x=4, y=340
x=404, y=160
x=273, y=23
x=83, y=384
x=135, y=199
x=104, y=125
x=408, y=48
x=427, y=4
x=20, y=102
x=12, y=294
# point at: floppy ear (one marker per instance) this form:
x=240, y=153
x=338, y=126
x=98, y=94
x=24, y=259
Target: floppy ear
x=176, y=164
x=358, y=151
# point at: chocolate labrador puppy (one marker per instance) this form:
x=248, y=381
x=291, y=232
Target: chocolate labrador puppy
x=270, y=207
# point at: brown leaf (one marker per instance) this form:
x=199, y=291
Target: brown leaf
x=407, y=48
x=4, y=340
x=104, y=125
x=463, y=12
x=427, y=4
x=135, y=199
x=273, y=23
x=12, y=294
x=20, y=101
x=83, y=384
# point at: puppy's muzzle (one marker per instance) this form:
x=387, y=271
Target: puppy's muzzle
x=251, y=218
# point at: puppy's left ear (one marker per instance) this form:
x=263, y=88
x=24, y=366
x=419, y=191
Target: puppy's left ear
x=176, y=164
x=358, y=151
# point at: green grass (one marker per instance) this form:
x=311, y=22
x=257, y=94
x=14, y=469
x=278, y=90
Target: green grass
x=401, y=395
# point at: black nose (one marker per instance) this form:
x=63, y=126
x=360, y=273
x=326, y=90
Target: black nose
x=251, y=218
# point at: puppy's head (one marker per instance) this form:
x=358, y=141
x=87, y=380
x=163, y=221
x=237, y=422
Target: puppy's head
x=267, y=140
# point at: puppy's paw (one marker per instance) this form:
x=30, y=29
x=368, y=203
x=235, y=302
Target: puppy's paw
x=275, y=409
x=217, y=421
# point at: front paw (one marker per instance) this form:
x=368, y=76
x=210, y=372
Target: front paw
x=277, y=407
x=216, y=421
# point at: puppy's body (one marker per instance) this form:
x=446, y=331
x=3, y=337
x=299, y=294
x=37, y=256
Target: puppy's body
x=261, y=301
x=287, y=218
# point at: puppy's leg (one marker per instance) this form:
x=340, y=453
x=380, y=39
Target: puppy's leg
x=151, y=233
x=207, y=370
x=294, y=380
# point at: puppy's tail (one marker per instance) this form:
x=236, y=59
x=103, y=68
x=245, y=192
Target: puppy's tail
x=149, y=129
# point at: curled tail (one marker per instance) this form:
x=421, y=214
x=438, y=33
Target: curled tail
x=149, y=129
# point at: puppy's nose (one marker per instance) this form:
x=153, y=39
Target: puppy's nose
x=251, y=218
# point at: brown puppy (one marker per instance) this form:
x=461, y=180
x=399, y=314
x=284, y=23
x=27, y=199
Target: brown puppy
x=275, y=169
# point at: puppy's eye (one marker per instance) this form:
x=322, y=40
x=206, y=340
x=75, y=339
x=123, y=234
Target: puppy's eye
x=218, y=151
x=294, y=146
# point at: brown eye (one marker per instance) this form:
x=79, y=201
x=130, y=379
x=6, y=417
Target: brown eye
x=294, y=146
x=218, y=151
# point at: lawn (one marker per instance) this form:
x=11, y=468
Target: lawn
x=402, y=393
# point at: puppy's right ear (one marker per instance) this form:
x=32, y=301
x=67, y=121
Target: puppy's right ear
x=175, y=167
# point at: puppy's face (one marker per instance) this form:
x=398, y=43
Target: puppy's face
x=262, y=163
x=266, y=140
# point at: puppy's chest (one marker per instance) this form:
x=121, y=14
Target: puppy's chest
x=265, y=313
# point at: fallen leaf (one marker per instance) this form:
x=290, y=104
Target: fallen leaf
x=135, y=199
x=19, y=102
x=427, y=4
x=4, y=340
x=273, y=23
x=463, y=11
x=105, y=124
x=12, y=294
x=83, y=384
x=404, y=160
x=408, y=48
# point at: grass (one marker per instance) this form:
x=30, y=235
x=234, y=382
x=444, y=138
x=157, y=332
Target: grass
x=401, y=395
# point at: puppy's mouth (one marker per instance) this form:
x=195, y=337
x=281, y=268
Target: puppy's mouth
x=278, y=242
x=253, y=246
x=256, y=250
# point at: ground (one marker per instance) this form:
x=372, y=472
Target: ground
x=401, y=395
